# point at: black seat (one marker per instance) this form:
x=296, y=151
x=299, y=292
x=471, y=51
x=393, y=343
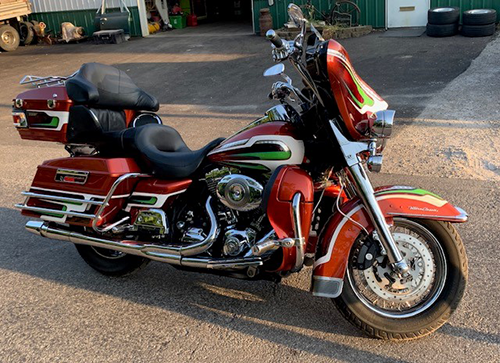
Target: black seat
x=103, y=86
x=160, y=149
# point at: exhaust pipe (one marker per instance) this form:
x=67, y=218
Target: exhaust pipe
x=174, y=255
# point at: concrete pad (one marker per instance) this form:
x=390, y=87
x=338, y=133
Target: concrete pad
x=403, y=32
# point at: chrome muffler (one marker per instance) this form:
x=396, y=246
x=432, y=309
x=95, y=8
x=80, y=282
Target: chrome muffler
x=174, y=255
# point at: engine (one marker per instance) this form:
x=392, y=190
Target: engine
x=240, y=196
x=236, y=191
x=240, y=192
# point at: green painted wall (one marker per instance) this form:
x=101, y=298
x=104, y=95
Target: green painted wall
x=372, y=11
x=83, y=18
x=469, y=4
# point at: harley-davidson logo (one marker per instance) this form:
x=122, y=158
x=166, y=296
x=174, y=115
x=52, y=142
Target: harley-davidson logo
x=71, y=176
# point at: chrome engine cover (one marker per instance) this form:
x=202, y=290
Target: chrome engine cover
x=240, y=192
x=152, y=221
x=235, y=242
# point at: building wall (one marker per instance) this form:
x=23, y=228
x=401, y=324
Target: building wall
x=372, y=11
x=80, y=13
x=47, y=6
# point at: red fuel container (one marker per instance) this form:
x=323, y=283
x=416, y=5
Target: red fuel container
x=192, y=20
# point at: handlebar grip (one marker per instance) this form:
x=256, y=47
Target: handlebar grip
x=274, y=38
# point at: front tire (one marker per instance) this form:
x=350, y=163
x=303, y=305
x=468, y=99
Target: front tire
x=394, y=309
x=9, y=38
x=111, y=263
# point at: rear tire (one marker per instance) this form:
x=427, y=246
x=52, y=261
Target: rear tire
x=478, y=30
x=447, y=30
x=479, y=17
x=443, y=16
x=111, y=263
x=26, y=33
x=432, y=295
x=9, y=38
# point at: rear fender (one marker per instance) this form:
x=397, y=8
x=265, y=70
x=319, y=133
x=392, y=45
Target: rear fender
x=341, y=232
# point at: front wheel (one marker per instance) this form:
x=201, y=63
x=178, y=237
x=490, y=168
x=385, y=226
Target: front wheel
x=391, y=307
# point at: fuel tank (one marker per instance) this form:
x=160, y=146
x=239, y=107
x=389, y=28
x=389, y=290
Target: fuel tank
x=264, y=145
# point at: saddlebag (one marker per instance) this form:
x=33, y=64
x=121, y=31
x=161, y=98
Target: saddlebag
x=71, y=190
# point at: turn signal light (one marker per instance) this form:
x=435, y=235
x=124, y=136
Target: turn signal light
x=20, y=120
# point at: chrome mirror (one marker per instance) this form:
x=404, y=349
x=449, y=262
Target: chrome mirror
x=275, y=70
x=296, y=15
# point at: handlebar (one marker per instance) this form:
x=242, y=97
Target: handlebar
x=274, y=38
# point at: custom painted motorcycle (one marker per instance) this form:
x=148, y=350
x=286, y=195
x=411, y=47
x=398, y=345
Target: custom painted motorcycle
x=289, y=190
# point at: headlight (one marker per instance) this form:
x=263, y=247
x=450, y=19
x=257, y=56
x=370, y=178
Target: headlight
x=382, y=126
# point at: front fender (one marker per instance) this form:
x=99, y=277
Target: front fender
x=341, y=232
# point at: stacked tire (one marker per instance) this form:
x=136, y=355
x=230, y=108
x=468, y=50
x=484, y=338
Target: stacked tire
x=479, y=22
x=443, y=22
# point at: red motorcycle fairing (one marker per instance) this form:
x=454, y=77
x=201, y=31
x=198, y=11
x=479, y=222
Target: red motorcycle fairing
x=287, y=181
x=357, y=102
x=341, y=232
x=90, y=179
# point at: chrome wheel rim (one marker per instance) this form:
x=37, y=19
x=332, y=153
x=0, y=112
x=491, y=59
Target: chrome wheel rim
x=8, y=37
x=108, y=254
x=388, y=295
x=479, y=11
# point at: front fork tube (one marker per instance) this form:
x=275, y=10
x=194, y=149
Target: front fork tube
x=366, y=193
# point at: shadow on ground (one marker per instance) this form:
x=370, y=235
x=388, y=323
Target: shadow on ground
x=263, y=309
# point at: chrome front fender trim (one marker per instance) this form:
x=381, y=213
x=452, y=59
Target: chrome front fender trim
x=330, y=287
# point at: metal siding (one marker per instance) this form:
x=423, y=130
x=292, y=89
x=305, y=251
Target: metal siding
x=47, y=6
x=469, y=4
x=372, y=11
x=83, y=18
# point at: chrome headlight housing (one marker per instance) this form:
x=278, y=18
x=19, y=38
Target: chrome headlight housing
x=381, y=130
x=382, y=126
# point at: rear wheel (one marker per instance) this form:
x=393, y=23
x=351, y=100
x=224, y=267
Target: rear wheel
x=109, y=262
x=478, y=30
x=26, y=33
x=446, y=30
x=9, y=38
x=479, y=17
x=443, y=16
x=391, y=307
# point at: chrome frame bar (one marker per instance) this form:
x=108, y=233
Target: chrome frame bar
x=105, y=203
x=61, y=199
x=53, y=211
x=300, y=242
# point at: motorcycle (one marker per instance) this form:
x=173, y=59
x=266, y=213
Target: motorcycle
x=289, y=190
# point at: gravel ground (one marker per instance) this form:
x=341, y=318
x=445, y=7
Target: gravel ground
x=458, y=134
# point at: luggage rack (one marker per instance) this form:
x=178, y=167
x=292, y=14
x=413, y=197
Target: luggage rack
x=48, y=81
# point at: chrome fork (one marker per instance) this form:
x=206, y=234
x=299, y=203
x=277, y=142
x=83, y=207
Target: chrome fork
x=367, y=194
